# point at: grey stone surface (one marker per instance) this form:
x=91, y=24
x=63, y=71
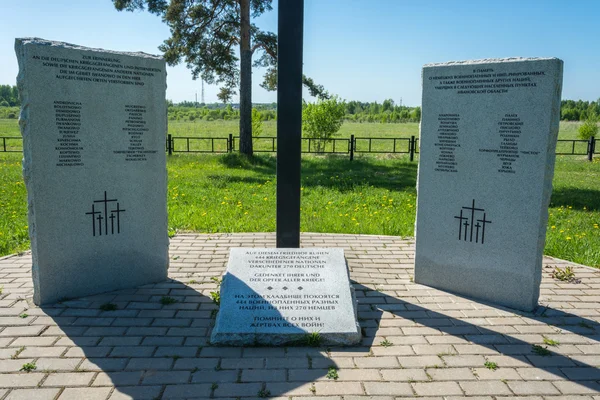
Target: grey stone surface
x=488, y=136
x=93, y=124
x=279, y=296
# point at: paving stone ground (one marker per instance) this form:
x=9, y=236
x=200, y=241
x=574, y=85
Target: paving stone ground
x=418, y=341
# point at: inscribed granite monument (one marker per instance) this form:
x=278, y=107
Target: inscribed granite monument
x=488, y=137
x=94, y=125
x=279, y=296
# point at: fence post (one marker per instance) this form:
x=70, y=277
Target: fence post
x=591, y=146
x=351, y=147
x=230, y=143
x=170, y=144
x=412, y=148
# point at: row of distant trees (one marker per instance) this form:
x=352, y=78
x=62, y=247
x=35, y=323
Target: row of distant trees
x=571, y=110
x=9, y=96
x=356, y=111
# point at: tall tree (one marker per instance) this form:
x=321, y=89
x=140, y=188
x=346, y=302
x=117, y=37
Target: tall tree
x=204, y=33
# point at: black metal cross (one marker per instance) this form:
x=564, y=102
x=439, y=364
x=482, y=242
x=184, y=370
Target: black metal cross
x=289, y=120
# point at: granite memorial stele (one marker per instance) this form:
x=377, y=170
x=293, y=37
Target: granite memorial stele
x=488, y=137
x=285, y=296
x=93, y=124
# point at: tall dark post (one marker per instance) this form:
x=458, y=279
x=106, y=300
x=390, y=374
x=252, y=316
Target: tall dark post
x=289, y=120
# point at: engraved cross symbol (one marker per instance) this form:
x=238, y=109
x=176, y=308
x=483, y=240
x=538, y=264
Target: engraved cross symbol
x=105, y=201
x=98, y=215
x=93, y=214
x=477, y=226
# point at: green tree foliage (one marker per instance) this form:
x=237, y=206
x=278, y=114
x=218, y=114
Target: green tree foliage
x=9, y=112
x=589, y=128
x=322, y=120
x=225, y=94
x=388, y=112
x=9, y=96
x=256, y=122
x=571, y=110
x=204, y=34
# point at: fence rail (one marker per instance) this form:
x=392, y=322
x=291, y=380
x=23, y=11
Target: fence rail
x=352, y=146
x=11, y=144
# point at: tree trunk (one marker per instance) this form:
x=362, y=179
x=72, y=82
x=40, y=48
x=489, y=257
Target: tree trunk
x=245, y=81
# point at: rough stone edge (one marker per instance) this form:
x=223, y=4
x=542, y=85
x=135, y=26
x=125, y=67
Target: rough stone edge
x=490, y=61
x=553, y=129
x=254, y=339
x=21, y=51
x=53, y=43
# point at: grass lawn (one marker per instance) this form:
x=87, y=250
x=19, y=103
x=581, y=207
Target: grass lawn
x=227, y=193
x=221, y=128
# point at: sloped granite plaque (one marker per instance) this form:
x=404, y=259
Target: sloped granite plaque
x=282, y=296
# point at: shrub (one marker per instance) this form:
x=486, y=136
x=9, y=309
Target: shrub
x=256, y=122
x=322, y=120
x=588, y=129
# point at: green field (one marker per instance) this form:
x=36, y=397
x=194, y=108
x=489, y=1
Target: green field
x=371, y=195
x=222, y=128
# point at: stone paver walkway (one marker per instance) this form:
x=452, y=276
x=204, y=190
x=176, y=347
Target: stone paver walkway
x=418, y=341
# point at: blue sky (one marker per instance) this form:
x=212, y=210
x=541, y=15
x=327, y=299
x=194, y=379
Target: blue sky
x=359, y=50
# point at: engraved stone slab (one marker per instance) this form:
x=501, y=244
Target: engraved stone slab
x=279, y=296
x=488, y=136
x=94, y=125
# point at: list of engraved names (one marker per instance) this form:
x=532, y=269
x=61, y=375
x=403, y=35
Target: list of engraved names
x=509, y=126
x=68, y=124
x=72, y=115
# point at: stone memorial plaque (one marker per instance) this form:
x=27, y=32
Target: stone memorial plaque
x=488, y=137
x=279, y=296
x=94, y=125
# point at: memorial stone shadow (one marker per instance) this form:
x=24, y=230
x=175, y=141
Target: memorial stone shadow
x=576, y=198
x=338, y=172
x=145, y=344
x=371, y=313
